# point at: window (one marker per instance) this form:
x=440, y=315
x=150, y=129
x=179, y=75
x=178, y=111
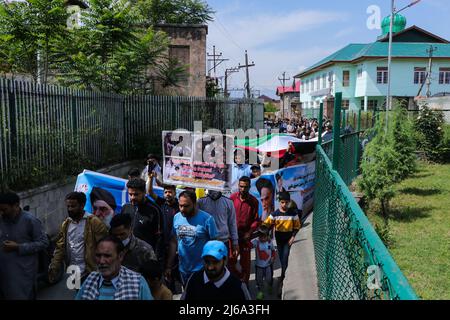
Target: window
x=181, y=54
x=324, y=80
x=345, y=104
x=419, y=75
x=330, y=78
x=318, y=82
x=444, y=75
x=371, y=104
x=313, y=85
x=360, y=72
x=346, y=78
x=382, y=75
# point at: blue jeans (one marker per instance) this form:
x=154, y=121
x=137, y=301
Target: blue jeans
x=283, y=252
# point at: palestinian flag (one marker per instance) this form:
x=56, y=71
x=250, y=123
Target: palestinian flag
x=275, y=144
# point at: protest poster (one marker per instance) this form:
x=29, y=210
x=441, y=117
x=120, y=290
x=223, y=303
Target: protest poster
x=208, y=165
x=263, y=189
x=299, y=182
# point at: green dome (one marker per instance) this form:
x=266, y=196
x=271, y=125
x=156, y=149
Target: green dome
x=399, y=24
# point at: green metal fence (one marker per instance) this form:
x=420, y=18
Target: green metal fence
x=349, y=156
x=351, y=260
x=47, y=132
x=311, y=113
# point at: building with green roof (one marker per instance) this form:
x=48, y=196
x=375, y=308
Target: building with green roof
x=360, y=71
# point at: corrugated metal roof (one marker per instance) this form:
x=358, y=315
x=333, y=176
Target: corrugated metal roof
x=353, y=52
x=281, y=89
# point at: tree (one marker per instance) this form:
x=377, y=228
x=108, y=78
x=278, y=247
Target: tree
x=110, y=51
x=175, y=11
x=387, y=159
x=29, y=33
x=402, y=140
x=430, y=134
x=115, y=47
x=379, y=169
x=270, y=107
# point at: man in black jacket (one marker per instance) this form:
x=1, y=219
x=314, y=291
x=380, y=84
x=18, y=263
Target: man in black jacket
x=148, y=223
x=214, y=281
x=137, y=253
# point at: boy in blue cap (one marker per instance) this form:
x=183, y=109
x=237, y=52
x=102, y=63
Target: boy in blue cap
x=214, y=281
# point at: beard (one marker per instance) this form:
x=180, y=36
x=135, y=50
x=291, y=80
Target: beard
x=215, y=195
x=213, y=274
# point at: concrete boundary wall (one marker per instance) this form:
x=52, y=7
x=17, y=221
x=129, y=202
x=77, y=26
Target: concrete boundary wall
x=47, y=202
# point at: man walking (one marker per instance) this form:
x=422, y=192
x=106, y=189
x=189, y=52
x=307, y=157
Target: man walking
x=247, y=218
x=169, y=207
x=147, y=217
x=77, y=238
x=192, y=228
x=137, y=252
x=113, y=281
x=222, y=210
x=214, y=281
x=21, y=238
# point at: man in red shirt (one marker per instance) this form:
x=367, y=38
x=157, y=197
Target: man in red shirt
x=247, y=218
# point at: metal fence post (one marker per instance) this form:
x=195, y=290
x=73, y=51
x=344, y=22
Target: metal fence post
x=252, y=110
x=74, y=117
x=124, y=128
x=336, y=129
x=12, y=118
x=320, y=122
x=357, y=144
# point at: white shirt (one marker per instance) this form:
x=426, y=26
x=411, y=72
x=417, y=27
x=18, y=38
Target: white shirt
x=219, y=283
x=75, y=238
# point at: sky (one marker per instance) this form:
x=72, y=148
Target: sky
x=290, y=35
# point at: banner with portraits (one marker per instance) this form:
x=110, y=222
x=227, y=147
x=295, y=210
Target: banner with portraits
x=108, y=188
x=297, y=180
x=197, y=160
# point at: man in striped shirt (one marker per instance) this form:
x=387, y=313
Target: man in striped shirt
x=287, y=224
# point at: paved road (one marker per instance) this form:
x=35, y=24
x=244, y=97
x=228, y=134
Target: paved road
x=57, y=291
x=301, y=276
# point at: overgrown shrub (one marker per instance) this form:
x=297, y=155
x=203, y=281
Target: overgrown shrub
x=379, y=168
x=403, y=143
x=388, y=158
x=430, y=135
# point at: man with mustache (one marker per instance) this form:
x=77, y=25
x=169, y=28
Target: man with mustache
x=192, y=229
x=77, y=238
x=112, y=281
x=215, y=282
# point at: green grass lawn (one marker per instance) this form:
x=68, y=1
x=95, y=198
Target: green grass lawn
x=420, y=230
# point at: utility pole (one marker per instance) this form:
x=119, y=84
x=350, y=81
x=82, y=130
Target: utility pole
x=216, y=60
x=430, y=66
x=227, y=73
x=246, y=66
x=394, y=11
x=283, y=83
